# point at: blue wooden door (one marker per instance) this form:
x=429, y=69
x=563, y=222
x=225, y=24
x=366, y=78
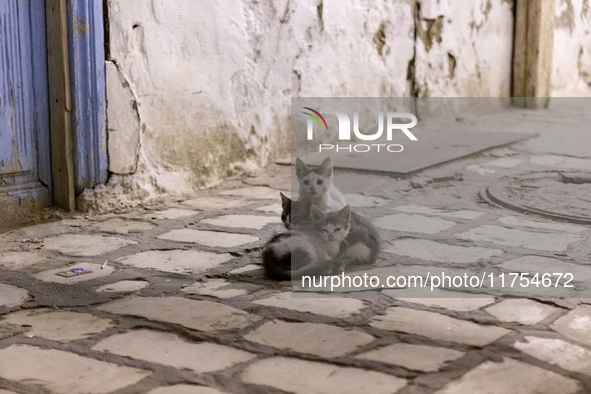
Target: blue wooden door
x=25, y=172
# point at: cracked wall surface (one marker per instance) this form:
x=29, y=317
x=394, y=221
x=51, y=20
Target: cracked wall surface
x=124, y=122
x=464, y=48
x=212, y=80
x=571, y=68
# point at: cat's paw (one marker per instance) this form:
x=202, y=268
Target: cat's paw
x=335, y=267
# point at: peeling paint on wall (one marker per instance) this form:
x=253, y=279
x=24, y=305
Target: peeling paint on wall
x=565, y=15
x=571, y=66
x=465, y=48
x=123, y=122
x=380, y=39
x=452, y=65
x=213, y=79
x=429, y=31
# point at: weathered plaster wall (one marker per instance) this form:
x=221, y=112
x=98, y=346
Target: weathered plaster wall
x=210, y=81
x=464, y=48
x=571, y=68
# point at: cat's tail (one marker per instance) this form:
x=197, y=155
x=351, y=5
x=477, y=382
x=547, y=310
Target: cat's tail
x=368, y=246
x=284, y=251
x=277, y=256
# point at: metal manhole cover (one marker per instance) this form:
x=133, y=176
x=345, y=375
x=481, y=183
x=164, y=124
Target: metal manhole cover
x=559, y=196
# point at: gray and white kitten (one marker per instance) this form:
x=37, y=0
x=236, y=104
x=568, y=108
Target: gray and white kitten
x=312, y=230
x=317, y=183
x=361, y=244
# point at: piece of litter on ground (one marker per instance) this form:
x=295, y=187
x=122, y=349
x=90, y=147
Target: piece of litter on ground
x=104, y=264
x=73, y=272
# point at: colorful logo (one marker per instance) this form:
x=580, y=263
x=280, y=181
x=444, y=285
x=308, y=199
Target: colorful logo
x=315, y=118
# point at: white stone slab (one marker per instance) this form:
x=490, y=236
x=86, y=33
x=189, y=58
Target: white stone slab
x=122, y=286
x=361, y=201
x=317, y=304
x=11, y=296
x=62, y=372
x=479, y=170
x=83, y=245
x=319, y=339
x=60, y=326
x=307, y=377
x=185, y=389
x=275, y=209
x=522, y=311
x=526, y=239
x=19, y=260
x=436, y=326
x=511, y=376
x=177, y=261
x=453, y=304
x=440, y=252
x=96, y=272
x=449, y=213
x=242, y=221
x=504, y=162
x=246, y=268
x=546, y=265
x=516, y=221
x=413, y=357
x=556, y=351
x=255, y=193
x=209, y=238
x=121, y=226
x=171, y=214
x=562, y=161
x=576, y=324
x=213, y=203
x=220, y=288
x=198, y=315
x=169, y=349
x=413, y=223
x=42, y=230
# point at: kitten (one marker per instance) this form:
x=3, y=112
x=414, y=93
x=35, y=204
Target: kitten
x=361, y=246
x=362, y=243
x=286, y=214
x=317, y=183
x=311, y=245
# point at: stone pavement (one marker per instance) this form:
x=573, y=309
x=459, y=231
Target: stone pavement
x=176, y=302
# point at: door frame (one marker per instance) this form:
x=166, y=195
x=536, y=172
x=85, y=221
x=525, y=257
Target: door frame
x=77, y=110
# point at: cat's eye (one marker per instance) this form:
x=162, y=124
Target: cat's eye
x=337, y=229
x=283, y=218
x=325, y=230
x=319, y=181
x=306, y=182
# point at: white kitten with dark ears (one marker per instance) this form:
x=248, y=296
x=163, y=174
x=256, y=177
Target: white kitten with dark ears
x=317, y=183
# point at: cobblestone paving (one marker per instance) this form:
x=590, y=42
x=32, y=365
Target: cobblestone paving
x=177, y=303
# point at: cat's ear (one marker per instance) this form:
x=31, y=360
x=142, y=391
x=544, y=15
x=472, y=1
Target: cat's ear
x=344, y=215
x=317, y=214
x=285, y=201
x=326, y=168
x=306, y=203
x=301, y=168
